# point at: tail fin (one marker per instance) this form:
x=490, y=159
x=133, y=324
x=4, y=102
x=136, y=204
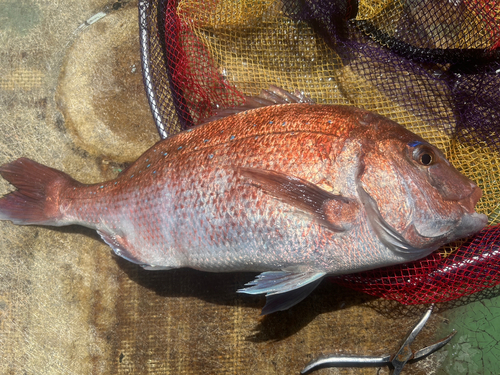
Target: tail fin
x=39, y=189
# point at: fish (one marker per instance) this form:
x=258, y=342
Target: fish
x=294, y=191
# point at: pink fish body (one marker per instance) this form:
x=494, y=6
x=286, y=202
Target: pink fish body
x=295, y=191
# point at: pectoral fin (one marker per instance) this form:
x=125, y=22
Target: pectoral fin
x=283, y=289
x=334, y=212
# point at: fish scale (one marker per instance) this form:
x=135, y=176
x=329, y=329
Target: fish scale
x=295, y=191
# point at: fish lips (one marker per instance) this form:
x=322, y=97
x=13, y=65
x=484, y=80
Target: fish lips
x=470, y=221
x=464, y=194
x=465, y=227
x=466, y=223
x=469, y=224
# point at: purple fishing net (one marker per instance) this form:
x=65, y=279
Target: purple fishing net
x=418, y=54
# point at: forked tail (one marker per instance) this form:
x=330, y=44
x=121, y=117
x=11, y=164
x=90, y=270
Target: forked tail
x=37, y=198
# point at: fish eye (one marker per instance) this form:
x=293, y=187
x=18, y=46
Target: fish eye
x=425, y=159
x=422, y=153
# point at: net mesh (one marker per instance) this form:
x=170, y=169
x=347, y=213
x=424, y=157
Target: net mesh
x=432, y=66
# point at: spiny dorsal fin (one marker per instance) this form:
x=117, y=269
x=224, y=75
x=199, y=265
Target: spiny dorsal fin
x=273, y=96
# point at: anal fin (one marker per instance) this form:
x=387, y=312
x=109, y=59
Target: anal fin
x=119, y=245
x=121, y=248
x=283, y=289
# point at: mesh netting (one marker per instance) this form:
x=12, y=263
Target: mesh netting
x=432, y=66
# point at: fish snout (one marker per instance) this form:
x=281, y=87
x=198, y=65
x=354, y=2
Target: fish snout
x=471, y=221
x=453, y=185
x=470, y=201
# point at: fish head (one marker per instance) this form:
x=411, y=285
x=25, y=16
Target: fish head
x=419, y=195
x=456, y=195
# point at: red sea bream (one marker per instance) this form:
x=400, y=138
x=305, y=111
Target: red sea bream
x=295, y=191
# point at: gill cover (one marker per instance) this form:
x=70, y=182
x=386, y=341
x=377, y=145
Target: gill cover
x=386, y=233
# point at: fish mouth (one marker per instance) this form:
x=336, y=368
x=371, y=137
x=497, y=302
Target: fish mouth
x=471, y=221
x=469, y=224
x=466, y=226
x=469, y=203
x=462, y=222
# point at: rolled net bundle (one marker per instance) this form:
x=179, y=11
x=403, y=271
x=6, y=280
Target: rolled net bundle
x=432, y=66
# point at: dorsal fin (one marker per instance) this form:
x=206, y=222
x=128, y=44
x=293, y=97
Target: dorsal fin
x=273, y=96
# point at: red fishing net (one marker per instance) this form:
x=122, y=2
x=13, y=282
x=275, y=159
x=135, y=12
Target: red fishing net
x=431, y=65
